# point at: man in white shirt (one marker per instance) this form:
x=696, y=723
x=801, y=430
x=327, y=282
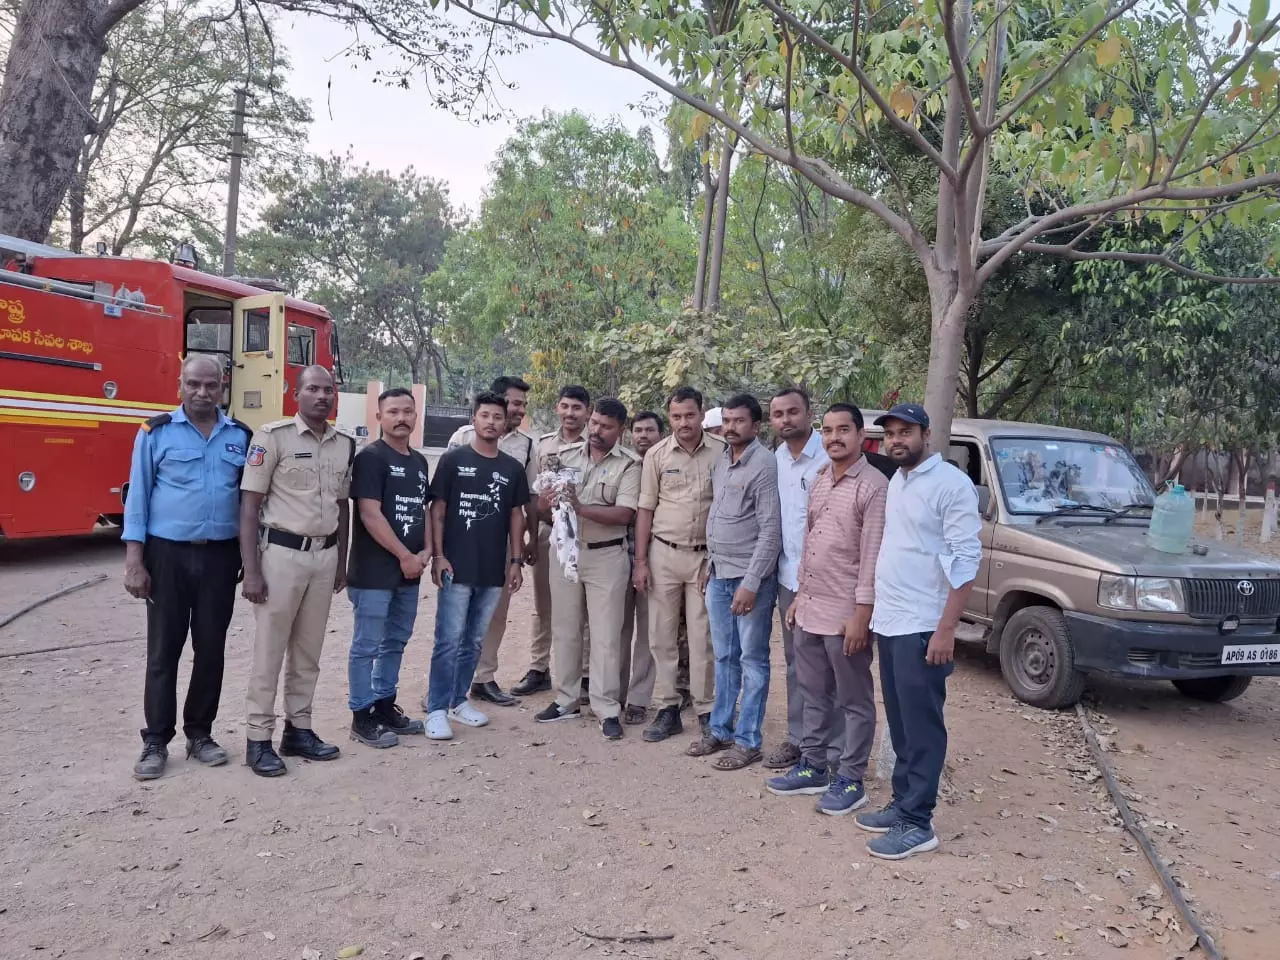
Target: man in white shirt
x=925, y=572
x=800, y=456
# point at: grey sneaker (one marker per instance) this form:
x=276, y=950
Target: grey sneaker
x=800, y=779
x=207, y=751
x=150, y=765
x=903, y=840
x=843, y=797
x=879, y=821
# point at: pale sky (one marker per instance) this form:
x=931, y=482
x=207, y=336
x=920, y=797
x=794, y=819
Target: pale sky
x=393, y=128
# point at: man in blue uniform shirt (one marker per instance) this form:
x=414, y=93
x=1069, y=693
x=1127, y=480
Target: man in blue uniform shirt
x=182, y=555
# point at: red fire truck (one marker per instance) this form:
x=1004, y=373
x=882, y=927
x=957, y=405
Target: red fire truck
x=92, y=346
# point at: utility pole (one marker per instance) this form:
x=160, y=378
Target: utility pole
x=233, y=185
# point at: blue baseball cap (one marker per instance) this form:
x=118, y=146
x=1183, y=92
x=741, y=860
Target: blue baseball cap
x=907, y=413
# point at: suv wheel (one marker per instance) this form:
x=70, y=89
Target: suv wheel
x=1037, y=659
x=1213, y=689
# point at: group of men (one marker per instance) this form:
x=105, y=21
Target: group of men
x=683, y=538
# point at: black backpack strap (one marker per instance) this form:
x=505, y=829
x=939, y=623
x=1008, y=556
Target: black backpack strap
x=351, y=457
x=248, y=430
x=156, y=422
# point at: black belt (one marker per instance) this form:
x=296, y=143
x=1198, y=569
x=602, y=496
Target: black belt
x=606, y=543
x=294, y=542
x=197, y=543
x=695, y=547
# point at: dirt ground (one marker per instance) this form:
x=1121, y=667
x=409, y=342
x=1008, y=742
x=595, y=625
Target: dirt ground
x=521, y=841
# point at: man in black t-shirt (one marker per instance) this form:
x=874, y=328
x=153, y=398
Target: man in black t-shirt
x=477, y=498
x=390, y=545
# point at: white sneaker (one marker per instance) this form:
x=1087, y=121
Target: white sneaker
x=467, y=715
x=438, y=725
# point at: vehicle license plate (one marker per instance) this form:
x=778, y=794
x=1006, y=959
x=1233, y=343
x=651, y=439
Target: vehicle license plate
x=1251, y=653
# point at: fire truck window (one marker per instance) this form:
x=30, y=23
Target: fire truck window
x=257, y=331
x=302, y=345
x=209, y=330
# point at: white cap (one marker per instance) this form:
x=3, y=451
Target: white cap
x=712, y=418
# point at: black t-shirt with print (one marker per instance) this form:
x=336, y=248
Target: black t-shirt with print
x=399, y=483
x=479, y=494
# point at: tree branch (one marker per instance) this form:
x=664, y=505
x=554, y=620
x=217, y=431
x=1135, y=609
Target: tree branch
x=1147, y=259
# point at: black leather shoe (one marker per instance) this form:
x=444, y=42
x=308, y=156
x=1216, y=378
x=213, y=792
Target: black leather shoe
x=665, y=724
x=493, y=694
x=263, y=759
x=297, y=742
x=535, y=681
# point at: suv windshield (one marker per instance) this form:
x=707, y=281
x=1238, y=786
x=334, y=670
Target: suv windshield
x=1039, y=475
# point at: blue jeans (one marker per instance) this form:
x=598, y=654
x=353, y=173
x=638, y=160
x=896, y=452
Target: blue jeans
x=741, y=646
x=463, y=613
x=383, y=623
x=914, y=693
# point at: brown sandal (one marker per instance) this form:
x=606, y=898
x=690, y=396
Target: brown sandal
x=736, y=757
x=707, y=746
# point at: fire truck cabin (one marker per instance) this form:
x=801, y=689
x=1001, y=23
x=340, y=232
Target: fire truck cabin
x=90, y=347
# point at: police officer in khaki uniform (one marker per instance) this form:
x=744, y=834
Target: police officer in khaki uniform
x=573, y=407
x=519, y=444
x=293, y=544
x=671, y=557
x=604, y=500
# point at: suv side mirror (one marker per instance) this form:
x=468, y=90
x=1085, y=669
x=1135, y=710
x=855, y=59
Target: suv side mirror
x=984, y=500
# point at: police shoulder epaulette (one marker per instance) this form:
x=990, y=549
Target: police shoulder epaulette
x=629, y=453
x=156, y=421
x=275, y=424
x=550, y=436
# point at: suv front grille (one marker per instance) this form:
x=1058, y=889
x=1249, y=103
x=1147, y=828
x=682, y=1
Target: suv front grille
x=1224, y=598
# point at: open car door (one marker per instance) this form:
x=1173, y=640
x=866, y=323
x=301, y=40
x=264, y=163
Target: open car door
x=257, y=359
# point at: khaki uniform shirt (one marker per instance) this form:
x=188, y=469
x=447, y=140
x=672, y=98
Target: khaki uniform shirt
x=303, y=476
x=676, y=486
x=613, y=481
x=516, y=443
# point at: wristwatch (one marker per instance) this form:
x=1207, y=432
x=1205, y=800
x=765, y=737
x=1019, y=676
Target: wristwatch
x=517, y=561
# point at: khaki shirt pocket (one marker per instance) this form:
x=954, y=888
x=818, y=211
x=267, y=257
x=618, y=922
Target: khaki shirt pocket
x=300, y=476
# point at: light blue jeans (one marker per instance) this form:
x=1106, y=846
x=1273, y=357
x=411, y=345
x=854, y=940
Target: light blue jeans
x=741, y=645
x=463, y=613
x=383, y=623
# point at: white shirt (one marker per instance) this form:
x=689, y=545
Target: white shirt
x=931, y=545
x=795, y=480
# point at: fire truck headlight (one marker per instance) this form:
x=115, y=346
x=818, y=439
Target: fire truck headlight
x=27, y=481
x=110, y=389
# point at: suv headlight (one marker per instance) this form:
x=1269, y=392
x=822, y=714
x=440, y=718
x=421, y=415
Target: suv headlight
x=1158, y=594
x=1163, y=594
x=1116, y=592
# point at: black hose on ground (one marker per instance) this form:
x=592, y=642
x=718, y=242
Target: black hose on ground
x=1148, y=848
x=9, y=618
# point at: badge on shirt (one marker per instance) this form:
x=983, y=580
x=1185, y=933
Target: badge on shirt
x=236, y=448
x=256, y=455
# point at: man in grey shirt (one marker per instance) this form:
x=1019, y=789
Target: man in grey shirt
x=744, y=537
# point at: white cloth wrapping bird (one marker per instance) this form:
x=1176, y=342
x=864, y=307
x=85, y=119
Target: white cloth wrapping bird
x=564, y=519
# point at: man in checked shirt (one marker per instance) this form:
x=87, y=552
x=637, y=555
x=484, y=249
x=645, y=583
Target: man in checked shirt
x=831, y=617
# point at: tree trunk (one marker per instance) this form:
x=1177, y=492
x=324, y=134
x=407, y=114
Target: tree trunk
x=75, y=209
x=1243, y=460
x=950, y=308
x=716, y=259
x=54, y=59
x=973, y=368
x=704, y=239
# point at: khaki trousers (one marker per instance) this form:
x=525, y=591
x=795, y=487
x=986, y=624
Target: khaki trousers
x=601, y=590
x=540, y=645
x=290, y=629
x=638, y=668
x=674, y=588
